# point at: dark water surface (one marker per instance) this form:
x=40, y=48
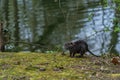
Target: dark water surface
x=89, y=20
x=58, y=21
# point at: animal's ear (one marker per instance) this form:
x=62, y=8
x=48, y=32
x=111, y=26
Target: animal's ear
x=72, y=43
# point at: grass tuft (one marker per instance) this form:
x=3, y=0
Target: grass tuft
x=54, y=66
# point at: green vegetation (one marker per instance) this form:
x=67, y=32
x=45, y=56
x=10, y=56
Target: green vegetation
x=54, y=66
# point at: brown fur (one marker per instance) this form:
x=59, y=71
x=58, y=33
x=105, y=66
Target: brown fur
x=79, y=46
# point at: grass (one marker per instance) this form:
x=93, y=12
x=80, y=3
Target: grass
x=54, y=66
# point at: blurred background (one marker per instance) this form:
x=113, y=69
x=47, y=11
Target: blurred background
x=45, y=25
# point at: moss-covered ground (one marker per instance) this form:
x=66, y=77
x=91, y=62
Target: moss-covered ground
x=54, y=66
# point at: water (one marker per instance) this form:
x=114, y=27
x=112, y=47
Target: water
x=51, y=23
x=87, y=20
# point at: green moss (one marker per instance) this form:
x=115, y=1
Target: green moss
x=50, y=66
x=115, y=75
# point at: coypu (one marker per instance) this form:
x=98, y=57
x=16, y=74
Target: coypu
x=78, y=46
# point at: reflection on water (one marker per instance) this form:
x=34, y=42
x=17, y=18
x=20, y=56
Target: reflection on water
x=54, y=22
x=85, y=20
x=93, y=29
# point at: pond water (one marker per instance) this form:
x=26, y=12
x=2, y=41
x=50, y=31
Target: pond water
x=55, y=22
x=89, y=20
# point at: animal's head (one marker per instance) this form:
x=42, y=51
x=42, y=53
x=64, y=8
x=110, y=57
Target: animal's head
x=68, y=45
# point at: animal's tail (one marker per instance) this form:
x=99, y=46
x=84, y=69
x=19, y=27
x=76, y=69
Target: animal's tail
x=92, y=53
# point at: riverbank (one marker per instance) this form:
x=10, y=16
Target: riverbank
x=54, y=66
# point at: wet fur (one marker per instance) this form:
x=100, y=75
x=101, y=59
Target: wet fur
x=79, y=46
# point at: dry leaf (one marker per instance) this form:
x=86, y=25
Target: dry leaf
x=115, y=60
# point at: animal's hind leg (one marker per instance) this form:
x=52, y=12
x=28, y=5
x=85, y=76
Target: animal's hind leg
x=82, y=53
